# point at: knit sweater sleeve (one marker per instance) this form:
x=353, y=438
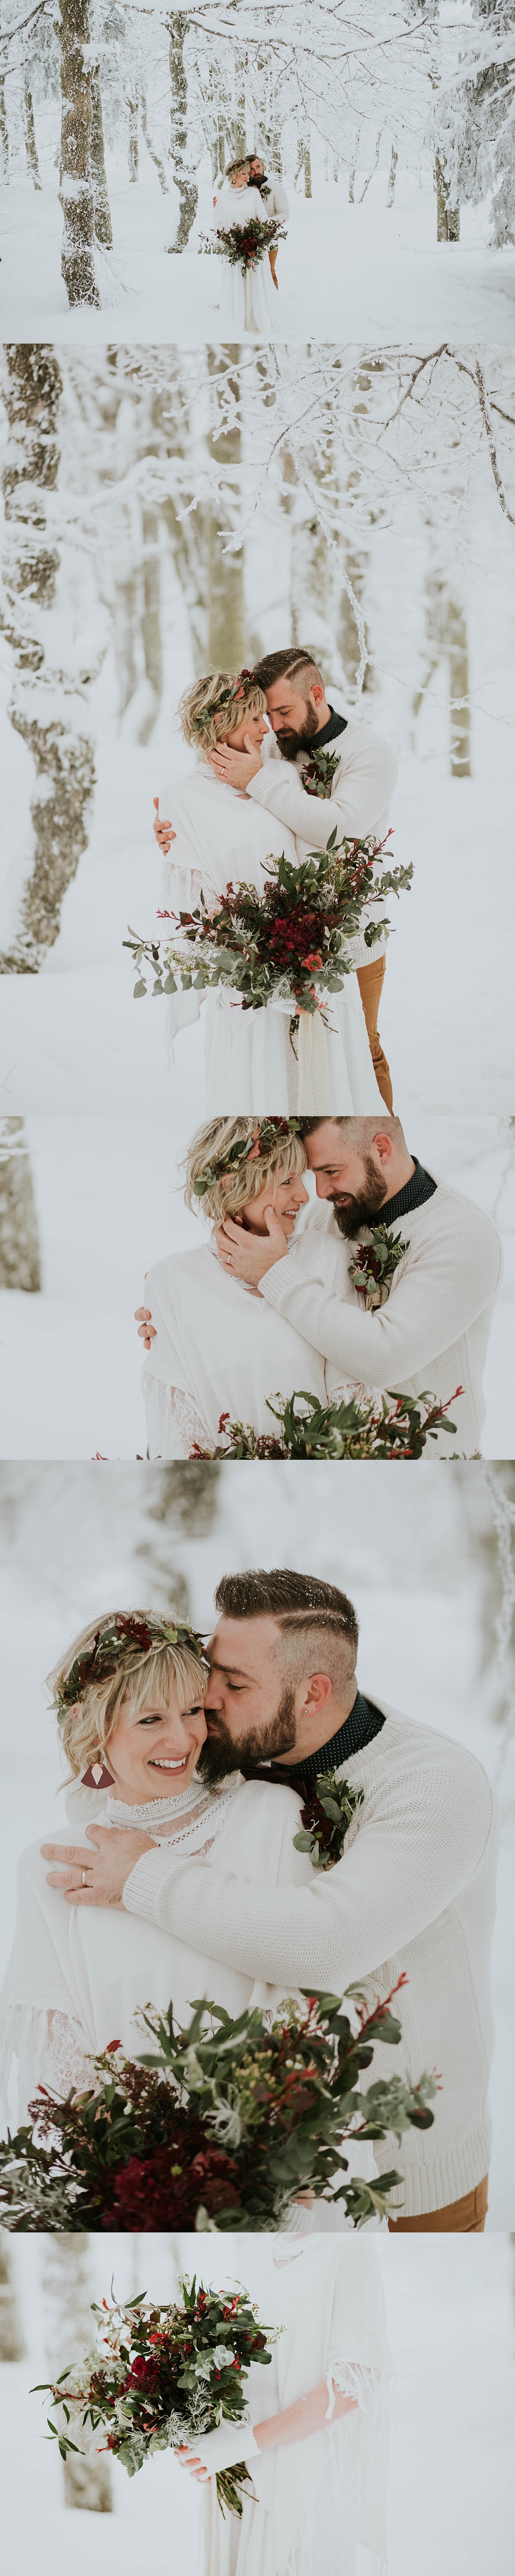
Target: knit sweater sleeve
x=360, y=793
x=447, y=1280
x=415, y=1851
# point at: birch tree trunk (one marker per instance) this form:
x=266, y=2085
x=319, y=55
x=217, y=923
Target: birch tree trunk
x=19, y=1241
x=177, y=27
x=447, y=216
x=70, y=2333
x=224, y=572
x=75, y=174
x=101, y=206
x=63, y=756
x=4, y=135
x=30, y=133
x=12, y=2347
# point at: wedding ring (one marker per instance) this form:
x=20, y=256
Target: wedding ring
x=84, y=1878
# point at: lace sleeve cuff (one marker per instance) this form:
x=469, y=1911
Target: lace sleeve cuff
x=354, y=2379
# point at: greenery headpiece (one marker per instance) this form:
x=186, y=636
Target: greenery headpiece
x=247, y=1149
x=228, y=698
x=102, y=1658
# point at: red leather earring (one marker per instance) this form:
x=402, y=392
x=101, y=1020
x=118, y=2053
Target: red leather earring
x=96, y=1776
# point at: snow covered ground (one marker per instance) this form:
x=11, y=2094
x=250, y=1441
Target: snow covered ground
x=109, y=1203
x=346, y=272
x=451, y=2502
x=80, y=1537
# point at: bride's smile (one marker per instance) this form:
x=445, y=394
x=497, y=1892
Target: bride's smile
x=285, y=1194
x=155, y=1748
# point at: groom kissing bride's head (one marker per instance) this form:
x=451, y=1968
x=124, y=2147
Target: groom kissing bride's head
x=295, y=698
x=281, y=1671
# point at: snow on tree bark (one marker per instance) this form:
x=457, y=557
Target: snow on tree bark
x=185, y=181
x=4, y=135
x=30, y=133
x=19, y=1242
x=101, y=206
x=75, y=174
x=447, y=215
x=63, y=756
x=70, y=2326
x=12, y=2346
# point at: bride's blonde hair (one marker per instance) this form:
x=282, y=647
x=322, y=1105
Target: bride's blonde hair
x=220, y=1182
x=212, y=706
x=87, y=1703
x=233, y=169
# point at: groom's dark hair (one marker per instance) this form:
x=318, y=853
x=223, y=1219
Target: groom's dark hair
x=298, y=1601
x=289, y=665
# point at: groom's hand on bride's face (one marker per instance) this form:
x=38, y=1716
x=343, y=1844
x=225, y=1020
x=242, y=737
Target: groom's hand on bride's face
x=96, y=1876
x=236, y=767
x=248, y=1256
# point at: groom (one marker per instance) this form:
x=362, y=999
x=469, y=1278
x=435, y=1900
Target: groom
x=413, y=1893
x=357, y=770
x=430, y=1333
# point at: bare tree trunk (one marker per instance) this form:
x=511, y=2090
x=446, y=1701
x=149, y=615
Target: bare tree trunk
x=4, y=135
x=30, y=133
x=239, y=132
x=70, y=2331
x=392, y=175
x=12, y=2347
x=63, y=757
x=374, y=167
x=19, y=1243
x=224, y=572
x=447, y=216
x=460, y=702
x=133, y=151
x=151, y=620
x=101, y=206
x=352, y=172
x=75, y=178
x=154, y=156
x=177, y=26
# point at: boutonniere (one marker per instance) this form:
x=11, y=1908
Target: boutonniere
x=376, y=1263
x=326, y=1817
x=318, y=772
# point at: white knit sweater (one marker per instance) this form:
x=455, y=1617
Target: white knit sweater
x=358, y=803
x=432, y=1333
x=414, y=1891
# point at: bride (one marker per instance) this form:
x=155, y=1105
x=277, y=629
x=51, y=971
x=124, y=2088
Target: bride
x=222, y=836
x=318, y=2433
x=128, y=1699
x=246, y=301
x=213, y=1345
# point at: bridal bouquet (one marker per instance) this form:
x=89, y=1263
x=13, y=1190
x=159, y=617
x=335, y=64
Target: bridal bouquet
x=289, y=943
x=337, y=1430
x=161, y=2376
x=244, y=245
x=220, y=2127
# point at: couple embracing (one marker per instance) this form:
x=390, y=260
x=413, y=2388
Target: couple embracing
x=190, y=1883
x=279, y=1299
x=279, y=767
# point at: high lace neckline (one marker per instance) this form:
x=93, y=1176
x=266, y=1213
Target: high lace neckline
x=154, y=1812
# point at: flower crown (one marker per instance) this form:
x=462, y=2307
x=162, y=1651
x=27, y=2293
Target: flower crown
x=247, y=1149
x=228, y=698
x=102, y=1658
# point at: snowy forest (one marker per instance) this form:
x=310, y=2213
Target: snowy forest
x=394, y=125
x=78, y=1538
x=165, y=512
x=450, y=2328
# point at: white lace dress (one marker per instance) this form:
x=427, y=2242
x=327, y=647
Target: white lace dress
x=222, y=837
x=314, y=2498
x=246, y=302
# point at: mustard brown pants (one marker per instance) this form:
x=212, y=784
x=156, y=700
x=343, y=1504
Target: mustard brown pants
x=371, y=980
x=461, y=2217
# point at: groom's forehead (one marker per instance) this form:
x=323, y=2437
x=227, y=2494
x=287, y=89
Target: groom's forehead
x=242, y=1646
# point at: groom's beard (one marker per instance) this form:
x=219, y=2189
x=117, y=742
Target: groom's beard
x=360, y=1211
x=290, y=743
x=224, y=1752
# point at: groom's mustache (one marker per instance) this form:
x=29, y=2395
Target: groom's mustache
x=224, y=1752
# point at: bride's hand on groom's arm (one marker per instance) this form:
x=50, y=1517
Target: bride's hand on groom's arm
x=236, y=767
x=98, y=1876
x=246, y=1256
